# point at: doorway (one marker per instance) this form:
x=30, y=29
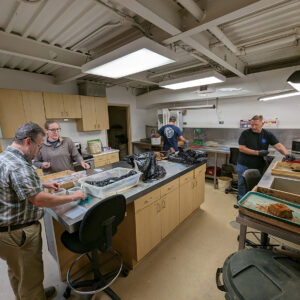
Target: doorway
x=119, y=132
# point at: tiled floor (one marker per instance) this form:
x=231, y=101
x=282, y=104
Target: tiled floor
x=182, y=267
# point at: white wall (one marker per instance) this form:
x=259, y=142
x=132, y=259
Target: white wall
x=231, y=111
x=11, y=79
x=121, y=95
x=19, y=80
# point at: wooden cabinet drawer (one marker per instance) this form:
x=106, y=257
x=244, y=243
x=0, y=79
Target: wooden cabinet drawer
x=169, y=187
x=186, y=177
x=200, y=170
x=114, y=157
x=146, y=200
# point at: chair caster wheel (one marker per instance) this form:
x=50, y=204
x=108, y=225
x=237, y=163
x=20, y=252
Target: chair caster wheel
x=67, y=293
x=125, y=272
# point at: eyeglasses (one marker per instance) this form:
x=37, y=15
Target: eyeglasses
x=54, y=129
x=39, y=145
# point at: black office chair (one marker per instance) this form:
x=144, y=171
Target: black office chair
x=234, y=153
x=251, y=178
x=95, y=233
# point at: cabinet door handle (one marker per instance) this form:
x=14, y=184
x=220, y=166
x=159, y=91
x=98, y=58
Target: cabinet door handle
x=158, y=207
x=163, y=204
x=169, y=188
x=148, y=200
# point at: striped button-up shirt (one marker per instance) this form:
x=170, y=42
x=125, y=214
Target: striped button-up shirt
x=18, y=182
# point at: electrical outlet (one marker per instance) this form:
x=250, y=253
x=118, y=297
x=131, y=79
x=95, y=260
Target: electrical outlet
x=221, y=122
x=184, y=123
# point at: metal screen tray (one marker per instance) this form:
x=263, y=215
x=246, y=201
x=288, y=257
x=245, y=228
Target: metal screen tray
x=257, y=203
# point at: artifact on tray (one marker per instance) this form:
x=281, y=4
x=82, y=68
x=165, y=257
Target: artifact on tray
x=147, y=164
x=160, y=156
x=110, y=180
x=188, y=156
x=280, y=210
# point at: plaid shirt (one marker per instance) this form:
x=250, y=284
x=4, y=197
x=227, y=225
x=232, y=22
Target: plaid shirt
x=18, y=182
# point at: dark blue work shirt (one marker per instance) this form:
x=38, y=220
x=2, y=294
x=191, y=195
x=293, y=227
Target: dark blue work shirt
x=170, y=133
x=255, y=141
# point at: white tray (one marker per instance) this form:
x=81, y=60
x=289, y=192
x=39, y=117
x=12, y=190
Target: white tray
x=110, y=189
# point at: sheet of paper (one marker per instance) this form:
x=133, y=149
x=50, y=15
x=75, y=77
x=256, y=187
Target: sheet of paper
x=75, y=212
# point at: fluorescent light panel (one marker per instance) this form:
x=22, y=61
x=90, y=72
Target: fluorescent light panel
x=140, y=55
x=194, y=107
x=294, y=80
x=279, y=96
x=192, y=81
x=296, y=86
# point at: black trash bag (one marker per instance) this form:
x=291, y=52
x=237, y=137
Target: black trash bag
x=110, y=180
x=188, y=156
x=147, y=164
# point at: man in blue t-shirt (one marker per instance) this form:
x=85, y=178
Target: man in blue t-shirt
x=171, y=133
x=253, y=146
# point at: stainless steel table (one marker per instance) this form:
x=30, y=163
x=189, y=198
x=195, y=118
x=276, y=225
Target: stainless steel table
x=216, y=150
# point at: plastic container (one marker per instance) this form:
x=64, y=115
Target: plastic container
x=156, y=141
x=224, y=183
x=114, y=188
x=60, y=192
x=94, y=146
x=73, y=190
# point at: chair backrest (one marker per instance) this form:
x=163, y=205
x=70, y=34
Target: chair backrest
x=234, y=153
x=251, y=178
x=107, y=214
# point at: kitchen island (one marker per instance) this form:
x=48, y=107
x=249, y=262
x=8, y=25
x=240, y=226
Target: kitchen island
x=154, y=209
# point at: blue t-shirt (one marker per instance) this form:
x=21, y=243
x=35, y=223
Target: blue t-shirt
x=170, y=133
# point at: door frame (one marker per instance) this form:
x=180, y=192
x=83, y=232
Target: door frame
x=127, y=106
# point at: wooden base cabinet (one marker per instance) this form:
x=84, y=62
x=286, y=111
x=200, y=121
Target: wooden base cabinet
x=186, y=195
x=169, y=204
x=199, y=188
x=148, y=228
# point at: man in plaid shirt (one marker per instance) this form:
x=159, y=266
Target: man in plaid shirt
x=21, y=201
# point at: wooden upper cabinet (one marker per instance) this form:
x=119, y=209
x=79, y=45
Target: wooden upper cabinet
x=72, y=107
x=34, y=107
x=54, y=106
x=101, y=113
x=88, y=121
x=62, y=106
x=94, y=114
x=11, y=112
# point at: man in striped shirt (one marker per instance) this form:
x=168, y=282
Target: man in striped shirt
x=21, y=201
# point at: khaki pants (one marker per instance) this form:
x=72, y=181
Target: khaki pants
x=22, y=250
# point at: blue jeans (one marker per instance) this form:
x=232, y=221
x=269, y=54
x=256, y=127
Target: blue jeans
x=240, y=169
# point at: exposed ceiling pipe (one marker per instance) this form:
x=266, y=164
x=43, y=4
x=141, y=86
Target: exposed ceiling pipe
x=271, y=44
x=192, y=7
x=176, y=70
x=224, y=39
x=78, y=44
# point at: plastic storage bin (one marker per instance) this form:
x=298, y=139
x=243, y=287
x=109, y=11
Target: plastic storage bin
x=114, y=188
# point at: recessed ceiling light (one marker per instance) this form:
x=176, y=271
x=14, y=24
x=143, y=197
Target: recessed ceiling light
x=140, y=55
x=206, y=78
x=279, y=96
